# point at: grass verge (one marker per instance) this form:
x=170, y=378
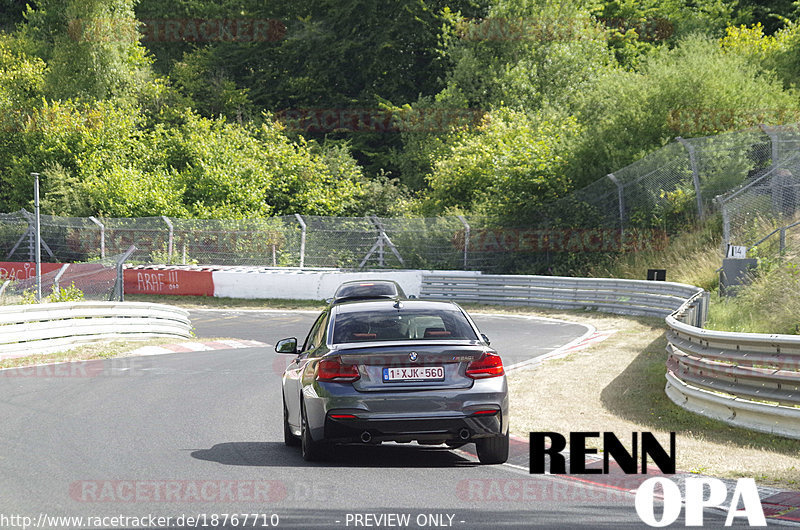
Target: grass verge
x=618, y=385
x=212, y=302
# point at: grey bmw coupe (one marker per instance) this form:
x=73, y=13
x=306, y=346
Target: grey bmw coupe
x=378, y=367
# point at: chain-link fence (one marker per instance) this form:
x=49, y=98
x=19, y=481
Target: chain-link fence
x=96, y=280
x=635, y=207
x=676, y=183
x=765, y=212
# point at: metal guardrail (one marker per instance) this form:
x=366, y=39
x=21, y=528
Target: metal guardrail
x=749, y=380
x=43, y=328
x=627, y=297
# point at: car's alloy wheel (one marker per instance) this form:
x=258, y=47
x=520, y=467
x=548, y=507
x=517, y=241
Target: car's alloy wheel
x=312, y=451
x=492, y=450
x=288, y=436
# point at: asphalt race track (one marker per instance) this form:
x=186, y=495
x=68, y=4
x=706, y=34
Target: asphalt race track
x=200, y=435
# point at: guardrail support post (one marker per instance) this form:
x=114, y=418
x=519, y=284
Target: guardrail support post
x=695, y=175
x=171, y=235
x=466, y=238
x=102, y=236
x=304, y=228
x=119, y=286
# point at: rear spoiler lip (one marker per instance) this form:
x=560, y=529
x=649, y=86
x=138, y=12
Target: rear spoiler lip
x=383, y=346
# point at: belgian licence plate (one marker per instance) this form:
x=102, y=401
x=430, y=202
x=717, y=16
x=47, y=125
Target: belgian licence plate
x=413, y=373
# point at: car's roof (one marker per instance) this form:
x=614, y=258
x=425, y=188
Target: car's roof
x=390, y=305
x=368, y=290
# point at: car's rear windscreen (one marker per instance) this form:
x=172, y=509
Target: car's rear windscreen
x=367, y=326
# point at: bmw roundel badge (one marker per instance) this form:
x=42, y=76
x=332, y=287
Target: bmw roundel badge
x=413, y=356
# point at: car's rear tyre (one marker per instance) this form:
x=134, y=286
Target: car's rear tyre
x=492, y=450
x=288, y=436
x=312, y=451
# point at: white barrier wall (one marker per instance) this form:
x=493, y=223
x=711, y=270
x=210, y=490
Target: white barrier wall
x=307, y=284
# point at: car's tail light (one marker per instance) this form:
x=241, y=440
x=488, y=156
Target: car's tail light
x=343, y=416
x=489, y=365
x=334, y=370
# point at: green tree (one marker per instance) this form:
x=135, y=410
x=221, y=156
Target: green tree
x=695, y=89
x=507, y=171
x=527, y=54
x=91, y=47
x=779, y=52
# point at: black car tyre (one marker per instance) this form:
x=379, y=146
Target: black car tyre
x=492, y=450
x=312, y=451
x=288, y=436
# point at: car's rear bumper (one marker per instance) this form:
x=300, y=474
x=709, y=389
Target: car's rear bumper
x=438, y=414
x=379, y=428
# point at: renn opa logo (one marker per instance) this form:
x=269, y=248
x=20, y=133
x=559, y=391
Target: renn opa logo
x=700, y=492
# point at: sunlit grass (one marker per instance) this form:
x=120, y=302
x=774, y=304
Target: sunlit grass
x=691, y=257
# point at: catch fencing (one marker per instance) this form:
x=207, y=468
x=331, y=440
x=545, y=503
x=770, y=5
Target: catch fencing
x=751, y=173
x=764, y=213
x=101, y=280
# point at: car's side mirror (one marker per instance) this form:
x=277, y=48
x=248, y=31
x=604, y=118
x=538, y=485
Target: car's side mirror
x=287, y=346
x=485, y=339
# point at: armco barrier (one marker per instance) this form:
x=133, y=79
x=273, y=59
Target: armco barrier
x=750, y=380
x=628, y=297
x=744, y=379
x=42, y=328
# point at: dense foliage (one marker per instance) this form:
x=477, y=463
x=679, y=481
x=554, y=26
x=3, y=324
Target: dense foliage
x=485, y=107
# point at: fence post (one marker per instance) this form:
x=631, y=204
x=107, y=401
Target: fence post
x=303, y=227
x=38, y=237
x=726, y=221
x=695, y=175
x=27, y=235
x=171, y=234
x=383, y=240
x=783, y=239
x=466, y=238
x=102, y=236
x=621, y=202
x=773, y=140
x=61, y=272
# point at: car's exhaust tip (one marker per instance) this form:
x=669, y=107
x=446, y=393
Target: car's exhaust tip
x=464, y=434
x=366, y=437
